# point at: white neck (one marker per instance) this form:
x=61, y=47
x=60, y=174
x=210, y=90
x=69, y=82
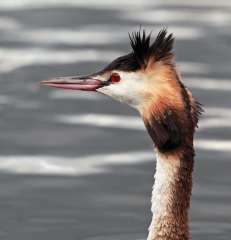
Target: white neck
x=170, y=199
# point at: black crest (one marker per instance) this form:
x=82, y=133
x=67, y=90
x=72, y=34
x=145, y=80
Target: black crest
x=140, y=43
x=160, y=49
x=143, y=50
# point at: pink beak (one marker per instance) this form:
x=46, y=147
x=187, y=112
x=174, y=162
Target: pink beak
x=75, y=83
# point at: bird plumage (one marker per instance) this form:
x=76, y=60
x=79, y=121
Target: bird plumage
x=147, y=79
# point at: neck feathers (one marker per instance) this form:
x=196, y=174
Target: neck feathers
x=171, y=198
x=171, y=113
x=171, y=121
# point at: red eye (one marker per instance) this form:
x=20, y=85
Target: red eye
x=115, y=78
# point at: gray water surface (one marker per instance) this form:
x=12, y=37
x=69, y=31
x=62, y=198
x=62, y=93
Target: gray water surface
x=66, y=174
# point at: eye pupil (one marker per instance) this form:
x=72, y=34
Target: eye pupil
x=115, y=77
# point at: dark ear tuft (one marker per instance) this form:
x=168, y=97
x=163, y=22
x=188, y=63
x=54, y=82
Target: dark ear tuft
x=165, y=131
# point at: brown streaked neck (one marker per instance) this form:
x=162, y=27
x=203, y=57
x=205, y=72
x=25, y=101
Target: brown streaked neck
x=172, y=133
x=173, y=177
x=171, y=122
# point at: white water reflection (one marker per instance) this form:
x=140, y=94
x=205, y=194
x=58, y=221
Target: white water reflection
x=103, y=4
x=180, y=32
x=96, y=35
x=215, y=122
x=221, y=112
x=67, y=36
x=56, y=165
x=208, y=83
x=7, y=23
x=30, y=164
x=216, y=118
x=196, y=3
x=193, y=67
x=57, y=94
x=11, y=59
x=214, y=145
x=212, y=17
x=213, y=118
x=103, y=120
x=4, y=99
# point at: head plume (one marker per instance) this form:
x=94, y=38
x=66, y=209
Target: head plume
x=145, y=51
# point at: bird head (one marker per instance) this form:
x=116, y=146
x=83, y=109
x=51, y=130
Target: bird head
x=147, y=80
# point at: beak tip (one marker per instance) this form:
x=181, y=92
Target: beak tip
x=43, y=82
x=73, y=83
x=47, y=82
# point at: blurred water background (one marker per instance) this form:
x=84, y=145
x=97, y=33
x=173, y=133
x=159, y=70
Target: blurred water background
x=68, y=169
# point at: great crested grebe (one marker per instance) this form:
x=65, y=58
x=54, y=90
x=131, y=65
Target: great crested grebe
x=147, y=80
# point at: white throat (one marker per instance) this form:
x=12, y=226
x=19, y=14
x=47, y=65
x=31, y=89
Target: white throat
x=164, y=221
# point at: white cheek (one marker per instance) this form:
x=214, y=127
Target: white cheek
x=125, y=91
